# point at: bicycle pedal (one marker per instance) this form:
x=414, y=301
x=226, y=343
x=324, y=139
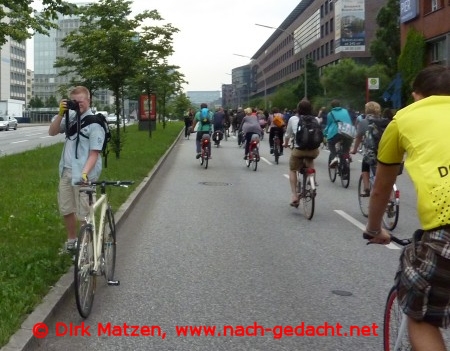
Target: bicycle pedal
x=114, y=282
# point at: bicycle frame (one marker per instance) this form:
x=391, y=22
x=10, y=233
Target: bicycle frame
x=90, y=219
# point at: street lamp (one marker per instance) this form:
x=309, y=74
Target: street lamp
x=301, y=49
x=264, y=77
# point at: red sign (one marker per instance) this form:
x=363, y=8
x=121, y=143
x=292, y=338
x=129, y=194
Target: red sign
x=144, y=107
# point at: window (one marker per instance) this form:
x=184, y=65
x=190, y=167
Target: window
x=437, y=52
x=331, y=25
x=434, y=5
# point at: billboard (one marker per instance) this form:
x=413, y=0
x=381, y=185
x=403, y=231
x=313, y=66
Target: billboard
x=409, y=9
x=350, y=25
x=144, y=108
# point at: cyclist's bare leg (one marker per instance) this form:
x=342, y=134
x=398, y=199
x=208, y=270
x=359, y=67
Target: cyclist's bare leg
x=365, y=178
x=70, y=221
x=293, y=183
x=424, y=336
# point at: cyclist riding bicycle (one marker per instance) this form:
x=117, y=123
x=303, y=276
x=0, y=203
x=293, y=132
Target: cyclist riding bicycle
x=249, y=126
x=204, y=117
x=303, y=109
x=372, y=112
x=421, y=131
x=218, y=123
x=337, y=113
x=275, y=127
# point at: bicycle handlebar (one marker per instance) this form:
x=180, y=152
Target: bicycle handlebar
x=107, y=182
x=401, y=242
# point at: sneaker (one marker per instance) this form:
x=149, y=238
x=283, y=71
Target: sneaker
x=198, y=156
x=366, y=193
x=69, y=247
x=334, y=162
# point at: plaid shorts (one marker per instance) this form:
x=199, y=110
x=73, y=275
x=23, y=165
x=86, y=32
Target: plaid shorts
x=423, y=277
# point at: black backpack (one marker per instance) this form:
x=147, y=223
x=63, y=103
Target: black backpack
x=372, y=138
x=87, y=120
x=309, y=134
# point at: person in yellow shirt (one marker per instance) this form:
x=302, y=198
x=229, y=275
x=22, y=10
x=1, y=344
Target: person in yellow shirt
x=421, y=130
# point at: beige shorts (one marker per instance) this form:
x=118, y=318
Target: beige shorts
x=70, y=200
x=297, y=155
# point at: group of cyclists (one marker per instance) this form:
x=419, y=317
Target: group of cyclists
x=419, y=131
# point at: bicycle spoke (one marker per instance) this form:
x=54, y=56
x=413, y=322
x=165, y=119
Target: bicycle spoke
x=363, y=200
x=308, y=200
x=84, y=279
x=109, y=245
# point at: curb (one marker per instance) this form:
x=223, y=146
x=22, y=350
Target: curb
x=23, y=339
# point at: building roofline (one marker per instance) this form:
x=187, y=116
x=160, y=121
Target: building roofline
x=301, y=7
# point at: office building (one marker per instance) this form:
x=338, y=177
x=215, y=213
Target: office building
x=323, y=31
x=13, y=71
x=432, y=19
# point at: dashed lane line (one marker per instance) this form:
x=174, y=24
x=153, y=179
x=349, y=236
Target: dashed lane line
x=361, y=226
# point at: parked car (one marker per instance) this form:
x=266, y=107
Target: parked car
x=7, y=123
x=112, y=118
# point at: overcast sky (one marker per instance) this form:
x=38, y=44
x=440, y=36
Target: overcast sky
x=212, y=30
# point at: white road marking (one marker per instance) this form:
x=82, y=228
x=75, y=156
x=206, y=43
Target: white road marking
x=266, y=160
x=20, y=141
x=47, y=136
x=28, y=135
x=362, y=226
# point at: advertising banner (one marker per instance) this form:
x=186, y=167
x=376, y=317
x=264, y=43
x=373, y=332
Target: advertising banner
x=144, y=111
x=350, y=25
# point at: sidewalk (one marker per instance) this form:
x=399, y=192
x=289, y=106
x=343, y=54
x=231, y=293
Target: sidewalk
x=23, y=339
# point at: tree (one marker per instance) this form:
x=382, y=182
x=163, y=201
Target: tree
x=105, y=48
x=51, y=102
x=20, y=20
x=180, y=105
x=346, y=81
x=385, y=48
x=36, y=102
x=411, y=60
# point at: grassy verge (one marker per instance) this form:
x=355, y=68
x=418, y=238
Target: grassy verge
x=31, y=229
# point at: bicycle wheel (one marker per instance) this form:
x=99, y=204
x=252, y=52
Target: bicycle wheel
x=84, y=279
x=363, y=200
x=109, y=244
x=255, y=158
x=390, y=216
x=308, y=199
x=276, y=150
x=344, y=172
x=206, y=157
x=332, y=172
x=393, y=316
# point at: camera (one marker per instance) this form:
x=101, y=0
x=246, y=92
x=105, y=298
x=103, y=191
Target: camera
x=73, y=105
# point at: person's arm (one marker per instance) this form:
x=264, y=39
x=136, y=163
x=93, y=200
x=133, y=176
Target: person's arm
x=90, y=162
x=55, y=126
x=379, y=197
x=356, y=144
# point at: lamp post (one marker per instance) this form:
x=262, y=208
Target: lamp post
x=301, y=49
x=264, y=77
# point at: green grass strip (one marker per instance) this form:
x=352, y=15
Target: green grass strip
x=31, y=228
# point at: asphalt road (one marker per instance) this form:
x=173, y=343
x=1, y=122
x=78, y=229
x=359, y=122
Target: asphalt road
x=222, y=247
x=26, y=137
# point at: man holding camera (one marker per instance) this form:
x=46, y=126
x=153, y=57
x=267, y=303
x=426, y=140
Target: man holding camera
x=80, y=158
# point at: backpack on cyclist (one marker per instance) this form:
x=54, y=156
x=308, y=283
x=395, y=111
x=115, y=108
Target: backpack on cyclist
x=309, y=133
x=278, y=120
x=87, y=120
x=205, y=117
x=372, y=138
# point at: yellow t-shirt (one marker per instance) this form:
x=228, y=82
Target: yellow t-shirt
x=422, y=130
